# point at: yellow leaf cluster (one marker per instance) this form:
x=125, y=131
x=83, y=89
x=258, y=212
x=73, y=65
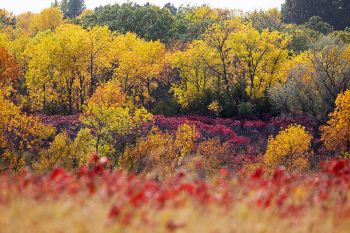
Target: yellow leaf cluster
x=30, y=24
x=215, y=108
x=64, y=66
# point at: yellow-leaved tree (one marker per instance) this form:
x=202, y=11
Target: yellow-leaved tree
x=259, y=59
x=186, y=136
x=290, y=148
x=234, y=63
x=41, y=72
x=47, y=19
x=336, y=134
x=100, y=56
x=111, y=116
x=196, y=78
x=29, y=24
x=139, y=66
x=66, y=66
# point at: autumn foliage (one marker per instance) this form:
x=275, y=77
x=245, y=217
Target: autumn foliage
x=128, y=202
x=336, y=134
x=9, y=71
x=291, y=148
x=19, y=134
x=131, y=118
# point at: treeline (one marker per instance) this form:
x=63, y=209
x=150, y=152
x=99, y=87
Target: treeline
x=214, y=62
x=335, y=13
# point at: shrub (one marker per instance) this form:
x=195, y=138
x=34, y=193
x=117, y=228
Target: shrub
x=246, y=108
x=67, y=153
x=20, y=135
x=82, y=147
x=156, y=150
x=186, y=135
x=211, y=155
x=56, y=155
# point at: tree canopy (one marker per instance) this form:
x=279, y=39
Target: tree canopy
x=336, y=13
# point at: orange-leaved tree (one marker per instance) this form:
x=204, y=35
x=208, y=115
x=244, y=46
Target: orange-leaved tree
x=336, y=134
x=9, y=70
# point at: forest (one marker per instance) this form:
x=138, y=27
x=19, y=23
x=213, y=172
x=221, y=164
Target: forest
x=147, y=118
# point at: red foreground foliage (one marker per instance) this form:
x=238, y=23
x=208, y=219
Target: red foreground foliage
x=291, y=193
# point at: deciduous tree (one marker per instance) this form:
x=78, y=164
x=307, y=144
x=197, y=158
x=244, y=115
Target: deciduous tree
x=336, y=134
x=110, y=116
x=65, y=66
x=47, y=19
x=234, y=62
x=139, y=66
x=315, y=78
x=9, y=71
x=290, y=148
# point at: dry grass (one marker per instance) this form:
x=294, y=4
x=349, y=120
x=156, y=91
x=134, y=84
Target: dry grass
x=79, y=215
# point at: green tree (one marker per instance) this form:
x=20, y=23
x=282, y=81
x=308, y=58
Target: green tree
x=301, y=37
x=72, y=8
x=64, y=7
x=149, y=21
x=315, y=23
x=336, y=13
x=171, y=8
x=269, y=19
